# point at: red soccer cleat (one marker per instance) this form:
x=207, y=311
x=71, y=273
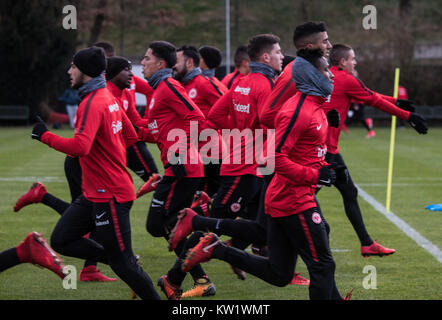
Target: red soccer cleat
x=33, y=195
x=150, y=185
x=34, y=249
x=370, y=134
x=202, y=252
x=92, y=274
x=376, y=249
x=299, y=281
x=182, y=228
x=200, y=198
x=171, y=291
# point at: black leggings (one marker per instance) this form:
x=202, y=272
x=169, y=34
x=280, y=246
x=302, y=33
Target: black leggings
x=349, y=194
x=304, y=234
x=170, y=197
x=237, y=196
x=112, y=243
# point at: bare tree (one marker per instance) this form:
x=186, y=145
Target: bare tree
x=98, y=22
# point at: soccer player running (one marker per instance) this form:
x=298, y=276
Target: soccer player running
x=102, y=134
x=205, y=94
x=169, y=111
x=139, y=158
x=238, y=111
x=346, y=88
x=119, y=77
x=309, y=35
x=294, y=224
x=242, y=67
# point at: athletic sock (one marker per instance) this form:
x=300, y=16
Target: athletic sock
x=55, y=203
x=9, y=259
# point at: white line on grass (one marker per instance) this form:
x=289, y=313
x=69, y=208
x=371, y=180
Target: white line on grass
x=402, y=225
x=32, y=179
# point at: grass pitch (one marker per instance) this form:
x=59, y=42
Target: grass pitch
x=411, y=273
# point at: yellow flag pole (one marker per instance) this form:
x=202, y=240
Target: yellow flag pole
x=392, y=139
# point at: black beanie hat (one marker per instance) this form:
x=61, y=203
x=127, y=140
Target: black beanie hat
x=211, y=55
x=91, y=61
x=115, y=65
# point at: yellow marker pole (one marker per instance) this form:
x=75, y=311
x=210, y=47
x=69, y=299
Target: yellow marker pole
x=392, y=139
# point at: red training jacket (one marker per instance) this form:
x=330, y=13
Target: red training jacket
x=231, y=79
x=283, y=90
x=347, y=87
x=219, y=85
x=170, y=108
x=126, y=100
x=238, y=109
x=301, y=131
x=203, y=92
x=141, y=86
x=102, y=134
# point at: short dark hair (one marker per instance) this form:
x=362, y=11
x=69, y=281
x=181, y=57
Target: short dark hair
x=338, y=52
x=261, y=43
x=241, y=55
x=287, y=59
x=211, y=56
x=107, y=47
x=313, y=56
x=192, y=53
x=306, y=30
x=164, y=50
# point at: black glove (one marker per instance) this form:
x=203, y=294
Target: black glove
x=178, y=169
x=327, y=176
x=39, y=128
x=333, y=118
x=418, y=123
x=407, y=105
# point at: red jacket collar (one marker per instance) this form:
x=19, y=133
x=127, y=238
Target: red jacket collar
x=117, y=92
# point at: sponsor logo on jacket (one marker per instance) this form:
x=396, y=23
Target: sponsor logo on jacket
x=116, y=126
x=322, y=152
x=244, y=91
x=241, y=107
x=113, y=107
x=153, y=126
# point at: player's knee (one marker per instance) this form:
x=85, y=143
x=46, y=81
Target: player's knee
x=57, y=242
x=283, y=280
x=154, y=228
x=282, y=277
